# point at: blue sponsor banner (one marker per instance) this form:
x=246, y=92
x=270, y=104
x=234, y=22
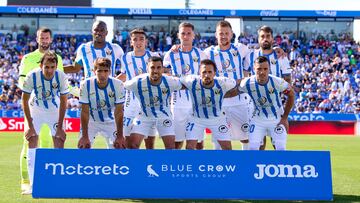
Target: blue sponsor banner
x=292, y=116
x=175, y=12
x=323, y=117
x=183, y=174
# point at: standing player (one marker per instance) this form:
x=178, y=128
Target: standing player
x=270, y=117
x=153, y=90
x=279, y=66
x=133, y=64
x=186, y=61
x=44, y=102
x=99, y=96
x=208, y=92
x=28, y=63
x=87, y=53
x=229, y=60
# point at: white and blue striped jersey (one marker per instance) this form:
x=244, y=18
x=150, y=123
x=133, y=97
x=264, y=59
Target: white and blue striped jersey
x=86, y=55
x=279, y=67
x=154, y=99
x=229, y=62
x=184, y=63
x=102, y=101
x=45, y=93
x=133, y=66
x=266, y=98
x=207, y=102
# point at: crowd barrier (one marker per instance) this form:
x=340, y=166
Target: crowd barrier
x=321, y=124
x=183, y=174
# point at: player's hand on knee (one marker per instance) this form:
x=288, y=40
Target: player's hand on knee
x=60, y=134
x=30, y=133
x=84, y=143
x=119, y=143
x=285, y=123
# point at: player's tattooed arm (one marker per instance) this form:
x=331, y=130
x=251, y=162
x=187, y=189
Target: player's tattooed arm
x=288, y=106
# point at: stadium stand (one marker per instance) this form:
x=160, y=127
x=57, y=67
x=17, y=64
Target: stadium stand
x=326, y=69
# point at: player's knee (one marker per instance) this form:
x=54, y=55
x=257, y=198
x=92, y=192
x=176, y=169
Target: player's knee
x=134, y=145
x=200, y=145
x=33, y=142
x=178, y=145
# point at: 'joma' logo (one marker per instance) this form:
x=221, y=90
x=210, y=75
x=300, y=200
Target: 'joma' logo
x=285, y=171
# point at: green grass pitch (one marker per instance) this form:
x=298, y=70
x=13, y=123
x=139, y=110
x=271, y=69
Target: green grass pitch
x=345, y=161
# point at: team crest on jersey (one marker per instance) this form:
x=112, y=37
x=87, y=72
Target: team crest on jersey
x=271, y=90
x=45, y=94
x=235, y=53
x=108, y=51
x=167, y=123
x=55, y=85
x=225, y=64
x=101, y=104
x=223, y=129
x=217, y=91
x=140, y=71
x=154, y=99
x=279, y=129
x=164, y=91
x=273, y=61
x=195, y=59
x=262, y=100
x=111, y=94
x=206, y=100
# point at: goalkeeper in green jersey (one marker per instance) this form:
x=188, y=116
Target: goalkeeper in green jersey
x=28, y=63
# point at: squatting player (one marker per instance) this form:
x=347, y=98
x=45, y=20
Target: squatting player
x=28, y=63
x=153, y=90
x=270, y=116
x=208, y=92
x=102, y=99
x=133, y=64
x=44, y=102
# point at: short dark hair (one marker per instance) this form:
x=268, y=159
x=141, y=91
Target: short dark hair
x=208, y=62
x=43, y=29
x=49, y=56
x=266, y=29
x=223, y=23
x=102, y=61
x=138, y=31
x=187, y=24
x=261, y=59
x=99, y=22
x=155, y=59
